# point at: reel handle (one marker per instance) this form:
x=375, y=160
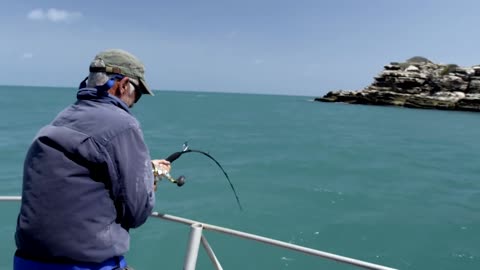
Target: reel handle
x=180, y=181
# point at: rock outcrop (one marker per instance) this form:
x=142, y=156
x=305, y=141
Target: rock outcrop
x=418, y=83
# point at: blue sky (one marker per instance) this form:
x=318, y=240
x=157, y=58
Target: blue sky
x=281, y=47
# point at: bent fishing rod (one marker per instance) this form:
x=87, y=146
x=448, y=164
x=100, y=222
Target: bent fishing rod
x=180, y=181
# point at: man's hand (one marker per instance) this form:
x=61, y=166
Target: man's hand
x=163, y=166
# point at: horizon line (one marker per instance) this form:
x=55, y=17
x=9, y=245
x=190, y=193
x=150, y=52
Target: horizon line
x=174, y=90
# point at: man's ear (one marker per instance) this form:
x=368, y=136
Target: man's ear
x=123, y=85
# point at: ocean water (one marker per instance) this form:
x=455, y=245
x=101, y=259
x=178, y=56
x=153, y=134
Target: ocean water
x=393, y=186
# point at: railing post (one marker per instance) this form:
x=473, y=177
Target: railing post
x=193, y=246
x=211, y=254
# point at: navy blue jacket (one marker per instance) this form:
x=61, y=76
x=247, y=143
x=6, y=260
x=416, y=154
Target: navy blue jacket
x=87, y=180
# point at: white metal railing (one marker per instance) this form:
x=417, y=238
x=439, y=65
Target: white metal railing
x=197, y=238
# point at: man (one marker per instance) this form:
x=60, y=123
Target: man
x=88, y=175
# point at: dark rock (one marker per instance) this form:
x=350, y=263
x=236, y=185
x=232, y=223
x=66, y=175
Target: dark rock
x=469, y=104
x=474, y=87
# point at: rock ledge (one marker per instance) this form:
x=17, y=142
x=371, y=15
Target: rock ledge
x=418, y=83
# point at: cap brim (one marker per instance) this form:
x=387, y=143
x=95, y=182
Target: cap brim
x=145, y=88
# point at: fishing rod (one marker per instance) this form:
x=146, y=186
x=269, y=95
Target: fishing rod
x=180, y=181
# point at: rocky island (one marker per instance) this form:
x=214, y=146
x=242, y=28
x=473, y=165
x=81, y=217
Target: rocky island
x=418, y=83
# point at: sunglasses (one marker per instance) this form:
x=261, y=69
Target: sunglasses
x=138, y=91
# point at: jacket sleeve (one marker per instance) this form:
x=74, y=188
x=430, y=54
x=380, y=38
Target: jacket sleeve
x=132, y=179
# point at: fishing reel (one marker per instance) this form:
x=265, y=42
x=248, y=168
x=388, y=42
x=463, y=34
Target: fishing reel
x=158, y=174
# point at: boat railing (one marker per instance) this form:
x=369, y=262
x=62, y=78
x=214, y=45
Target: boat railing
x=197, y=238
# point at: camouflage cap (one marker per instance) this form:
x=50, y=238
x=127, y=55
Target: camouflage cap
x=121, y=62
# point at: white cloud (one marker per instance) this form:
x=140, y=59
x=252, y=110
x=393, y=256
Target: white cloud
x=27, y=55
x=53, y=15
x=36, y=14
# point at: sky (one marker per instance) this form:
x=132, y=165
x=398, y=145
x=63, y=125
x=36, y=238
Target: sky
x=299, y=47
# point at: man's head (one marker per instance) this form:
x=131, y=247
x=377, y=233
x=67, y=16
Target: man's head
x=127, y=72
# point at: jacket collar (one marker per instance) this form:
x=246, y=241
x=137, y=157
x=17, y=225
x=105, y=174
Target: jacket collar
x=101, y=96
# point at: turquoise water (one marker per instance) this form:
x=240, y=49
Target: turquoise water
x=387, y=185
